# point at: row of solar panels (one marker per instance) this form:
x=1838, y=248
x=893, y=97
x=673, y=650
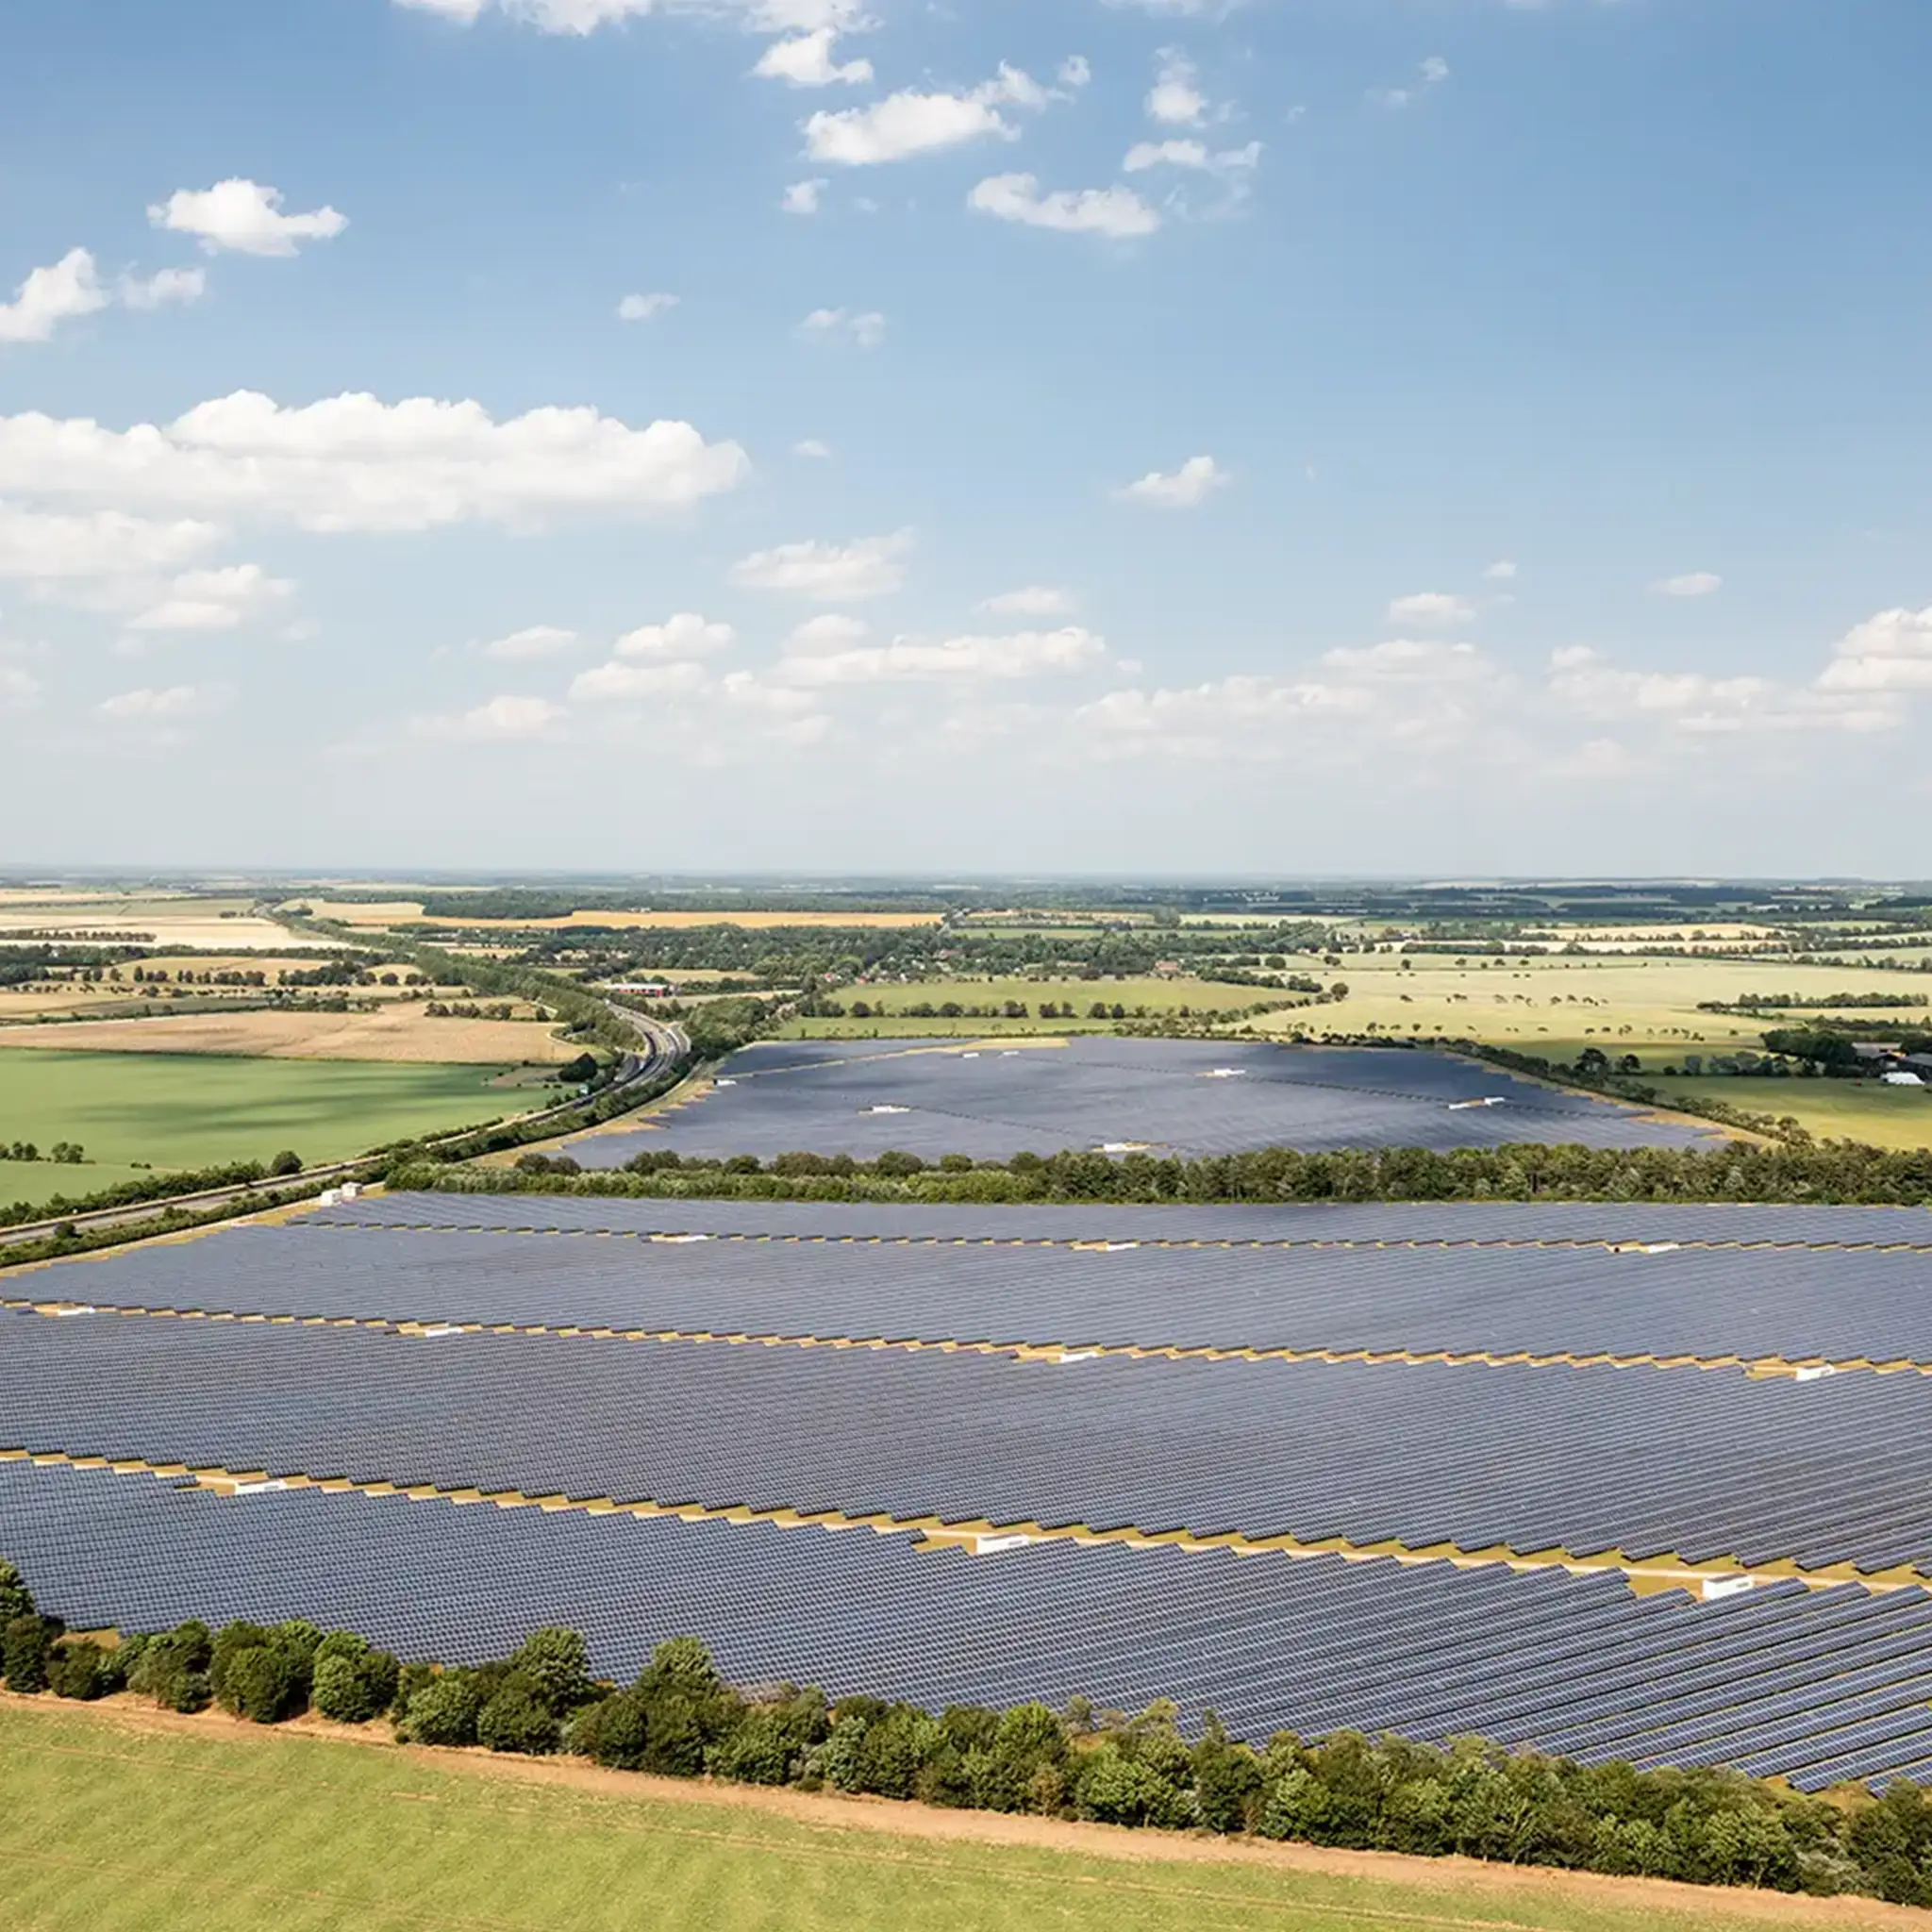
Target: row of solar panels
x=1707, y=1302
x=1702, y=1464
x=1816, y=1687
x=1435, y=1222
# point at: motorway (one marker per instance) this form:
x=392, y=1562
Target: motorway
x=659, y=1047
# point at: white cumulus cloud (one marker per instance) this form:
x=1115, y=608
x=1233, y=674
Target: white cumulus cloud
x=49, y=296
x=1027, y=654
x=1432, y=607
x=865, y=329
x=686, y=635
x=618, y=680
x=71, y=286
x=182, y=285
x=1196, y=480
x=1431, y=73
x=1696, y=583
x=1890, y=652
x=911, y=123
x=501, y=719
x=1176, y=99
x=536, y=640
x=805, y=60
x=1033, y=600
x=803, y=197
x=38, y=546
x=212, y=599
x=645, y=308
x=243, y=217
x=1117, y=212
x=829, y=572
x=163, y=705
x=354, y=462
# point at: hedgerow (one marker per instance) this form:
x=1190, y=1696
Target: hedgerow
x=1831, y=1172
x=681, y=1719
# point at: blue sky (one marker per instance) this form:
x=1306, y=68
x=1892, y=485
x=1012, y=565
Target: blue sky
x=1445, y=436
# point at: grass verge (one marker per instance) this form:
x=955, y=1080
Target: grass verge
x=122, y=1819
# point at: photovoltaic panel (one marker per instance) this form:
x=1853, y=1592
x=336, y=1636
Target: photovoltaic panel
x=1699, y=1465
x=1798, y=1304
x=1563, y=1222
x=1824, y=1686
x=1193, y=1097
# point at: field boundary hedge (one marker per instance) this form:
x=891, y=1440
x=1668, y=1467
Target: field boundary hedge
x=1832, y=1173
x=680, y=1718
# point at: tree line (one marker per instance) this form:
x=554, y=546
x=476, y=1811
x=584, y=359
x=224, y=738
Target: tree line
x=1820, y=1173
x=680, y=1718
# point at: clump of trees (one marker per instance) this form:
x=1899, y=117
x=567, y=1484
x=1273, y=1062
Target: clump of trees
x=680, y=1718
x=67, y=1153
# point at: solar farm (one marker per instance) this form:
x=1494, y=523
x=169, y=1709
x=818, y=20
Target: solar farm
x=1190, y=1097
x=1639, y=1483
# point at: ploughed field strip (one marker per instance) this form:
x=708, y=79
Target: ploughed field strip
x=1429, y=1223
x=1819, y=1687
x=1633, y=1465
x=1772, y=1305
x=864, y=1097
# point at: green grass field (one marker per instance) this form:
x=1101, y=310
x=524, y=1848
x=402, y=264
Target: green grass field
x=192, y=1110
x=889, y=1003
x=1833, y=1109
x=112, y=1829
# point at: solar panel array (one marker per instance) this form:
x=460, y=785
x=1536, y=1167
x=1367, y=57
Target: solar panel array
x=1702, y=1466
x=1815, y=1686
x=1707, y=1302
x=1646, y=1464
x=1194, y=1097
x=1434, y=1222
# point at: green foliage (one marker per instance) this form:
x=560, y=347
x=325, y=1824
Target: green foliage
x=770, y=1744
x=173, y=1668
x=615, y=1732
x=1118, y=1786
x=519, y=1718
x=24, y=1643
x=263, y=1673
x=722, y=1027
x=85, y=1670
x=556, y=1664
x=1832, y=1051
x=353, y=1682
x=1833, y=1172
x=444, y=1711
x=16, y=1599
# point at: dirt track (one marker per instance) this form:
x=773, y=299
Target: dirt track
x=1466, y=1877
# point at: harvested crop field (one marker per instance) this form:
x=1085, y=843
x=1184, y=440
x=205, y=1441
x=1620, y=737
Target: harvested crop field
x=400, y=1032
x=411, y=913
